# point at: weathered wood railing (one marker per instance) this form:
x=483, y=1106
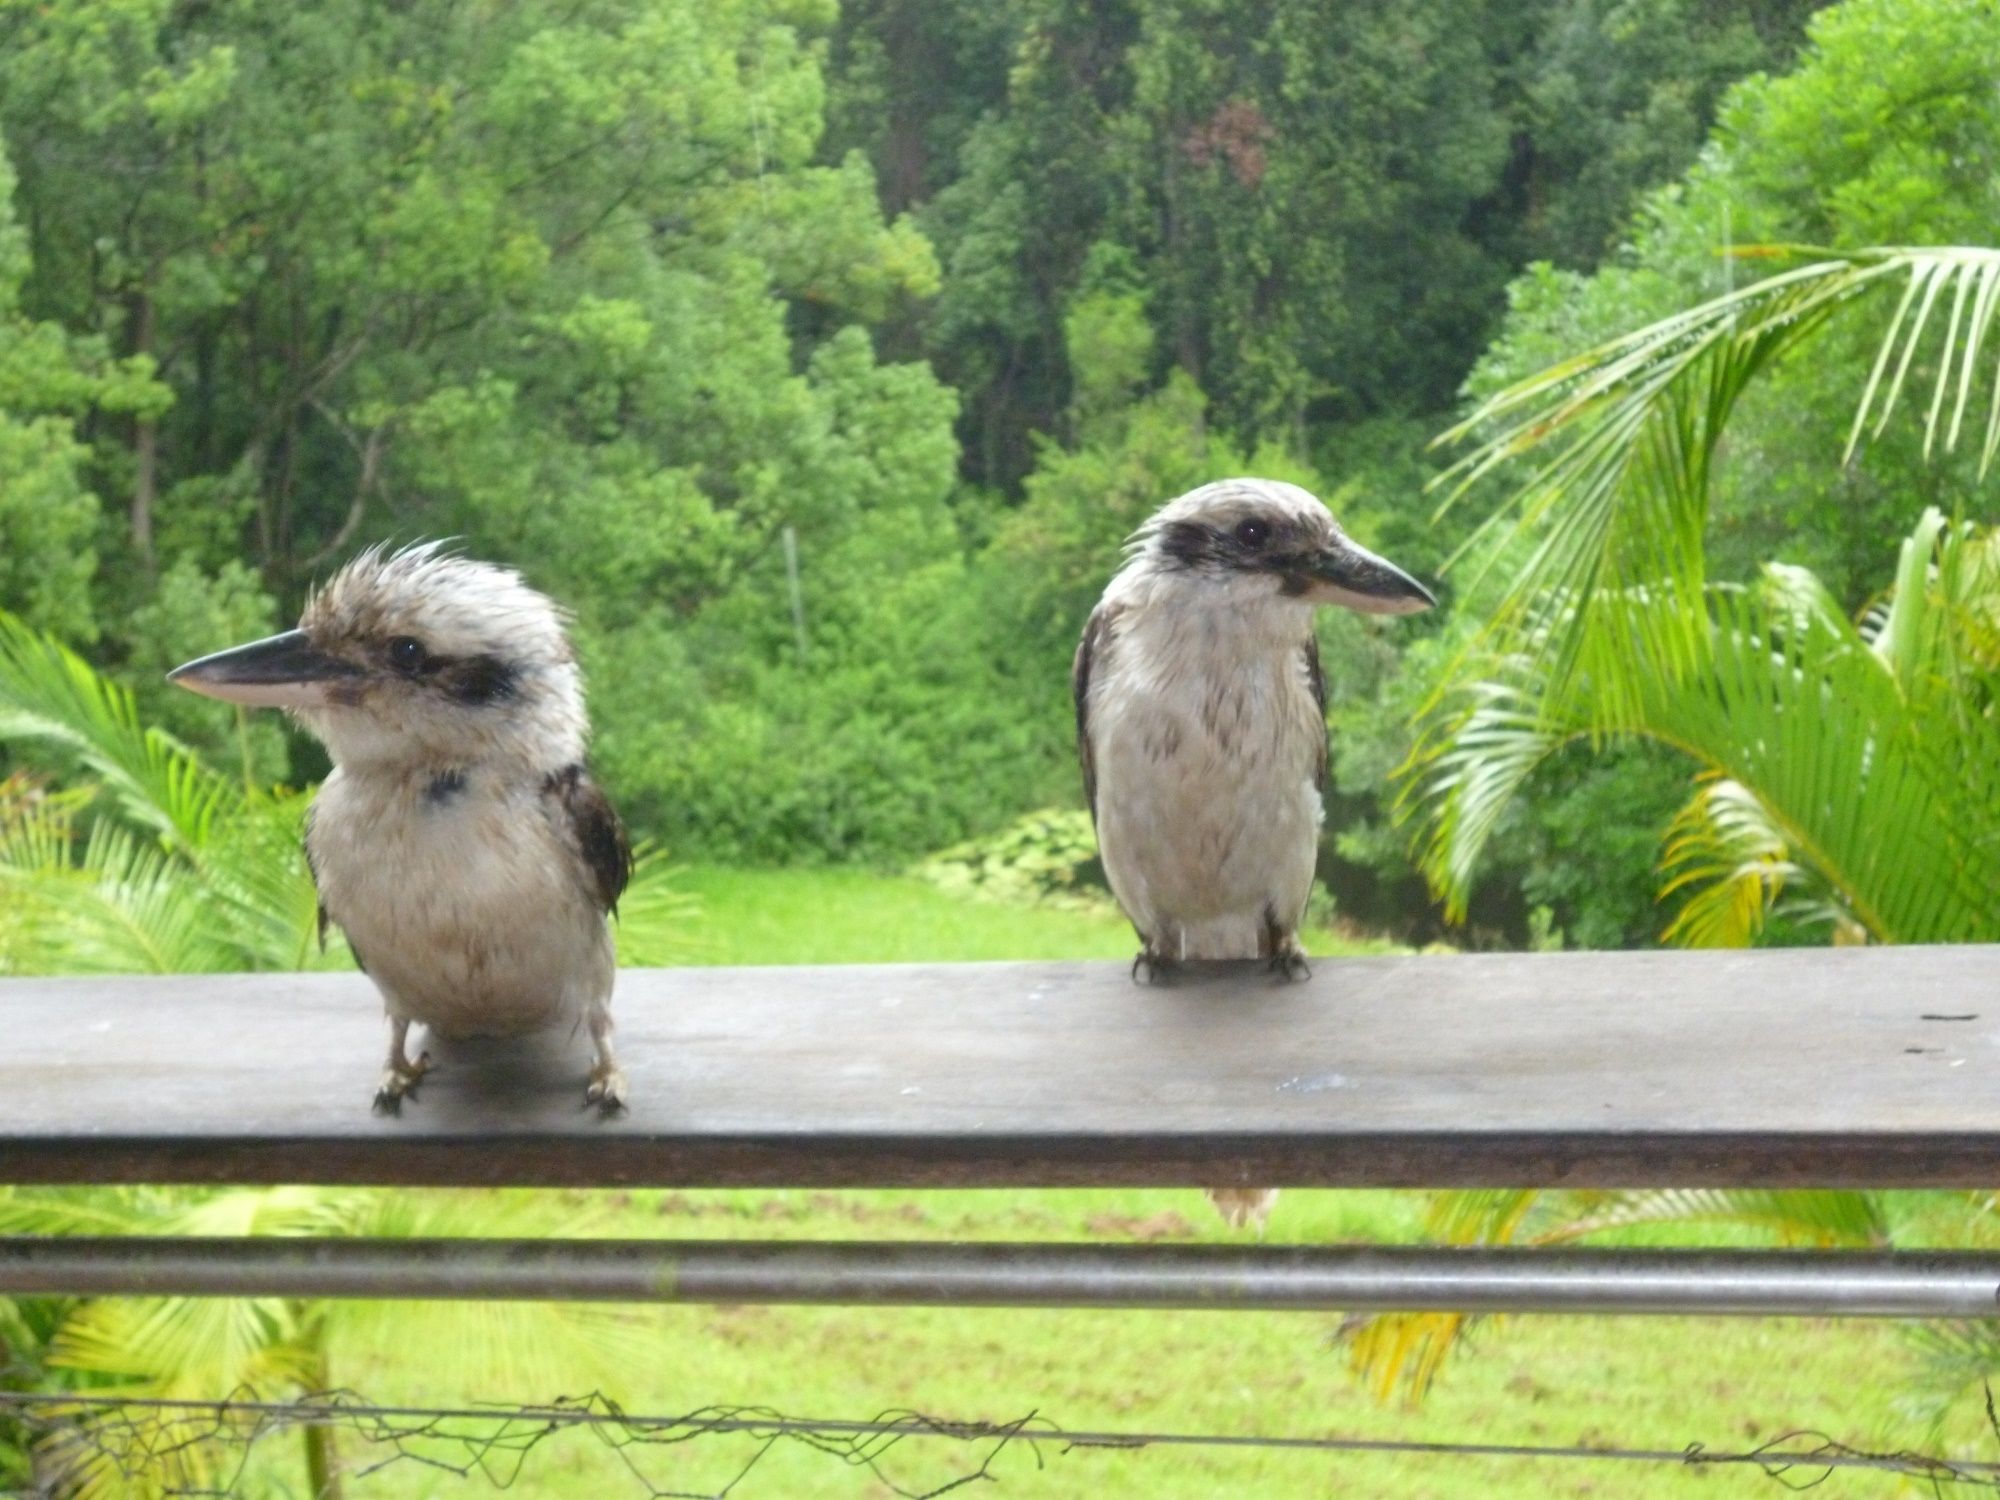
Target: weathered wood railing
x=1826, y=1067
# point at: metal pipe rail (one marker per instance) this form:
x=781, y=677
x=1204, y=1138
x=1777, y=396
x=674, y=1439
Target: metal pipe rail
x=1889, y=1284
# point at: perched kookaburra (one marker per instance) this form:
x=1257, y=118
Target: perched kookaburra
x=459, y=842
x=1201, y=724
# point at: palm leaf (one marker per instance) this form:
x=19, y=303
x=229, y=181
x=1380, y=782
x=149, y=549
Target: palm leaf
x=655, y=917
x=525, y=1350
x=116, y=905
x=1729, y=861
x=49, y=696
x=1624, y=435
x=1863, y=782
x=1409, y=1351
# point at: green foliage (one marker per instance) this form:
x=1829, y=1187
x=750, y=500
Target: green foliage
x=1408, y=1351
x=47, y=514
x=630, y=293
x=1321, y=202
x=271, y=1348
x=1048, y=856
x=574, y=283
x=1609, y=627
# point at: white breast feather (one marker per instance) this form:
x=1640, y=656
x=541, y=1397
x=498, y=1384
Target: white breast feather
x=1206, y=740
x=470, y=912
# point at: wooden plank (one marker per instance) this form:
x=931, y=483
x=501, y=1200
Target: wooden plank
x=1827, y=1067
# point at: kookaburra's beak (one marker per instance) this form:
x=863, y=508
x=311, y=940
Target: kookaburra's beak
x=1347, y=573
x=280, y=671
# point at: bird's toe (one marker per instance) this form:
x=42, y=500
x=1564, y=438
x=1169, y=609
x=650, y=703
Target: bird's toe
x=1149, y=968
x=1289, y=961
x=399, y=1081
x=1244, y=1207
x=606, y=1090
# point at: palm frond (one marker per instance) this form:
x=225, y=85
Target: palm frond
x=254, y=868
x=1623, y=437
x=1410, y=1351
x=118, y=904
x=655, y=917
x=49, y=696
x=1473, y=766
x=1731, y=864
x=1770, y=688
x=1805, y=1216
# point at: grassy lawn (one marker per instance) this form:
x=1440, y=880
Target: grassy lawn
x=844, y=916
x=1656, y=1383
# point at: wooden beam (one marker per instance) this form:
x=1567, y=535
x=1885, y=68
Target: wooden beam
x=1824, y=1067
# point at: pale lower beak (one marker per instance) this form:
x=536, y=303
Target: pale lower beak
x=280, y=671
x=1353, y=576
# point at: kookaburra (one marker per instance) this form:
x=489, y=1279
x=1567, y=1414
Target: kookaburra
x=1201, y=724
x=459, y=842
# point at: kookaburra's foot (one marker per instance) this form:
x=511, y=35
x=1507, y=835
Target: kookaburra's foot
x=1289, y=961
x=1244, y=1206
x=401, y=1077
x=606, y=1088
x=1149, y=967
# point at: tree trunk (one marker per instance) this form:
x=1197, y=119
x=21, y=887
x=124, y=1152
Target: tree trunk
x=322, y=1463
x=145, y=448
x=322, y=1459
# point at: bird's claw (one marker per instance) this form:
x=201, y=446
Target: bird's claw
x=400, y=1079
x=1290, y=964
x=606, y=1089
x=1149, y=968
x=1243, y=1208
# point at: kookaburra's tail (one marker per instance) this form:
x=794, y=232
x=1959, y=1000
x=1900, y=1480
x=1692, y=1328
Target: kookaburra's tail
x=1241, y=1206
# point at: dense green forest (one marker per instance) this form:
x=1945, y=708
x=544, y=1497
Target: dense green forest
x=954, y=293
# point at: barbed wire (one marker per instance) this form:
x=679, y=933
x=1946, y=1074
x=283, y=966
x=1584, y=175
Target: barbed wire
x=173, y=1443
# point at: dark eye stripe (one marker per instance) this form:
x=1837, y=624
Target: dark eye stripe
x=477, y=681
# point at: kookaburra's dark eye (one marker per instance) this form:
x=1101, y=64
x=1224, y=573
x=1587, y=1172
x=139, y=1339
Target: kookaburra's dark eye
x=1253, y=532
x=407, y=654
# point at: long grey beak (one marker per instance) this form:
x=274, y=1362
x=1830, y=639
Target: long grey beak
x=280, y=671
x=1349, y=574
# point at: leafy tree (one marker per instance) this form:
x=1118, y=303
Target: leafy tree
x=573, y=283
x=1325, y=200
x=48, y=514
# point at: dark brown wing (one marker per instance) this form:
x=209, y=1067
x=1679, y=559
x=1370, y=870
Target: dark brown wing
x=1097, y=638
x=1316, y=680
x=586, y=813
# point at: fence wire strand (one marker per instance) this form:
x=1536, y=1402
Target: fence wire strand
x=171, y=1443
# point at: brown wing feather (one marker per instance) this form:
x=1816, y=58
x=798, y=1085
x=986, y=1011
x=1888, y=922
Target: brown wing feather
x=1097, y=637
x=594, y=829
x=1316, y=681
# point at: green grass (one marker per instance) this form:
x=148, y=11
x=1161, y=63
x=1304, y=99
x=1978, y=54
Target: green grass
x=1658, y=1383
x=844, y=916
